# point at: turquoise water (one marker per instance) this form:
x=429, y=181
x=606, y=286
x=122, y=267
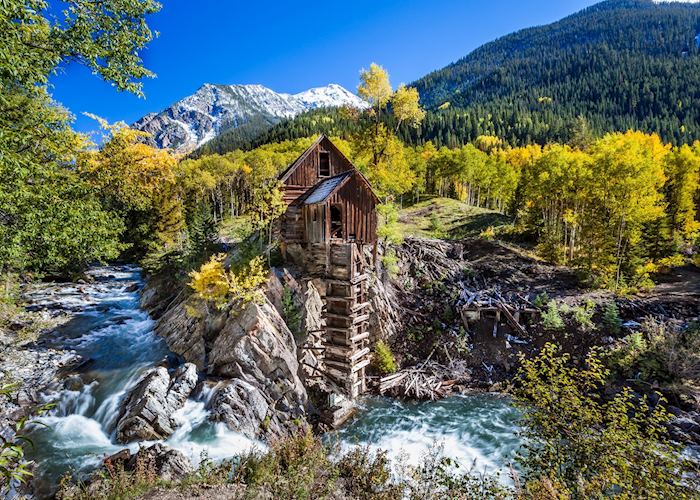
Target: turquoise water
x=116, y=339
x=478, y=430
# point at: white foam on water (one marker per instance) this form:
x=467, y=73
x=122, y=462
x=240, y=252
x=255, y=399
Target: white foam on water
x=218, y=442
x=119, y=338
x=478, y=432
x=76, y=402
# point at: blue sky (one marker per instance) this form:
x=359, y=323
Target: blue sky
x=290, y=46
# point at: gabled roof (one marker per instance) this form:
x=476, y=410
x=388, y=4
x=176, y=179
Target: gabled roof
x=288, y=171
x=291, y=168
x=326, y=188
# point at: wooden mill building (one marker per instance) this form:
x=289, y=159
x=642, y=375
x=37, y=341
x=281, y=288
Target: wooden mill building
x=331, y=219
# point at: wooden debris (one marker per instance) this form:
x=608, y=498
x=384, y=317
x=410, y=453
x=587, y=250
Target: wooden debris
x=427, y=382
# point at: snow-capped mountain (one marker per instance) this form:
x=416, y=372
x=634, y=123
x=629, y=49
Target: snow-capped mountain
x=198, y=118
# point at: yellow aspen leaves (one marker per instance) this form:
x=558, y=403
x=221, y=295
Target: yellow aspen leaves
x=215, y=285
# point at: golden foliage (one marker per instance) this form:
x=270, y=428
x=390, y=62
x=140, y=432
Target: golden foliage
x=213, y=284
x=374, y=86
x=406, y=106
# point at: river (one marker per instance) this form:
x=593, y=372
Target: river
x=112, y=332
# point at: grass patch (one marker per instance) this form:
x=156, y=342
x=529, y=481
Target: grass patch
x=235, y=229
x=448, y=219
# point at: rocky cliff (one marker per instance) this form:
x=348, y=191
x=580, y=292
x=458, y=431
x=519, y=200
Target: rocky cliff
x=259, y=361
x=249, y=357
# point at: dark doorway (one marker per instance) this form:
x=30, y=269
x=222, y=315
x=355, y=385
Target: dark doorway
x=336, y=221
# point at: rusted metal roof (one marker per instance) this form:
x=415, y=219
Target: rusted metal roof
x=326, y=188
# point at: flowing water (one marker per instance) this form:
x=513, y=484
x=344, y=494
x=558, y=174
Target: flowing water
x=116, y=336
x=478, y=431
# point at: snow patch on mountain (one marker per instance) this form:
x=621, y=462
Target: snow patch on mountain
x=198, y=118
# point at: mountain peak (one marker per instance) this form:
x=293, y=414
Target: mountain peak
x=214, y=108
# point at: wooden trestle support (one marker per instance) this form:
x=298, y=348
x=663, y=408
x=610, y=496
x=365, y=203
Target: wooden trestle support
x=347, y=313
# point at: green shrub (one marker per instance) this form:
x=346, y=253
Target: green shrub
x=611, y=318
x=541, y=300
x=389, y=230
x=439, y=477
x=297, y=467
x=383, y=360
x=391, y=262
x=437, y=228
x=551, y=319
x=588, y=447
x=291, y=311
x=367, y=475
x=583, y=316
x=628, y=352
x=488, y=234
x=660, y=352
x=13, y=466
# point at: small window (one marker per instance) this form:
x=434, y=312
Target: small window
x=324, y=164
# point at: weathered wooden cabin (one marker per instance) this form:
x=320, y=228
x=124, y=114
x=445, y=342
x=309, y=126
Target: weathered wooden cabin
x=328, y=199
x=330, y=220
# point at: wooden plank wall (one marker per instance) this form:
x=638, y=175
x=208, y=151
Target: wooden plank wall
x=359, y=210
x=305, y=175
x=293, y=225
x=315, y=230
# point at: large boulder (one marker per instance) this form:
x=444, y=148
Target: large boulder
x=185, y=334
x=146, y=413
x=242, y=407
x=157, y=460
x=253, y=349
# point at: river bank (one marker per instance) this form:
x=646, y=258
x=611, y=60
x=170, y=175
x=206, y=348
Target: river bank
x=110, y=343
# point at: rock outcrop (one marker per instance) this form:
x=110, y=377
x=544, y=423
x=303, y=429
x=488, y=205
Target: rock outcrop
x=262, y=357
x=146, y=413
x=384, y=320
x=165, y=462
x=254, y=350
x=157, y=460
x=257, y=351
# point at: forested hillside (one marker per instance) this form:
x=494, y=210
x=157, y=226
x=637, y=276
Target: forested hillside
x=622, y=64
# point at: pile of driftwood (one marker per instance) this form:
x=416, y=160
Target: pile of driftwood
x=429, y=381
x=435, y=261
x=429, y=260
x=413, y=384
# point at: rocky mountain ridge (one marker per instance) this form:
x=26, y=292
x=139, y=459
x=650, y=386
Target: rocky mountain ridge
x=198, y=118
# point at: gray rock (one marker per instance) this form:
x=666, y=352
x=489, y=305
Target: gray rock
x=686, y=424
x=184, y=334
x=146, y=413
x=242, y=407
x=257, y=347
x=168, y=464
x=165, y=462
x=251, y=345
